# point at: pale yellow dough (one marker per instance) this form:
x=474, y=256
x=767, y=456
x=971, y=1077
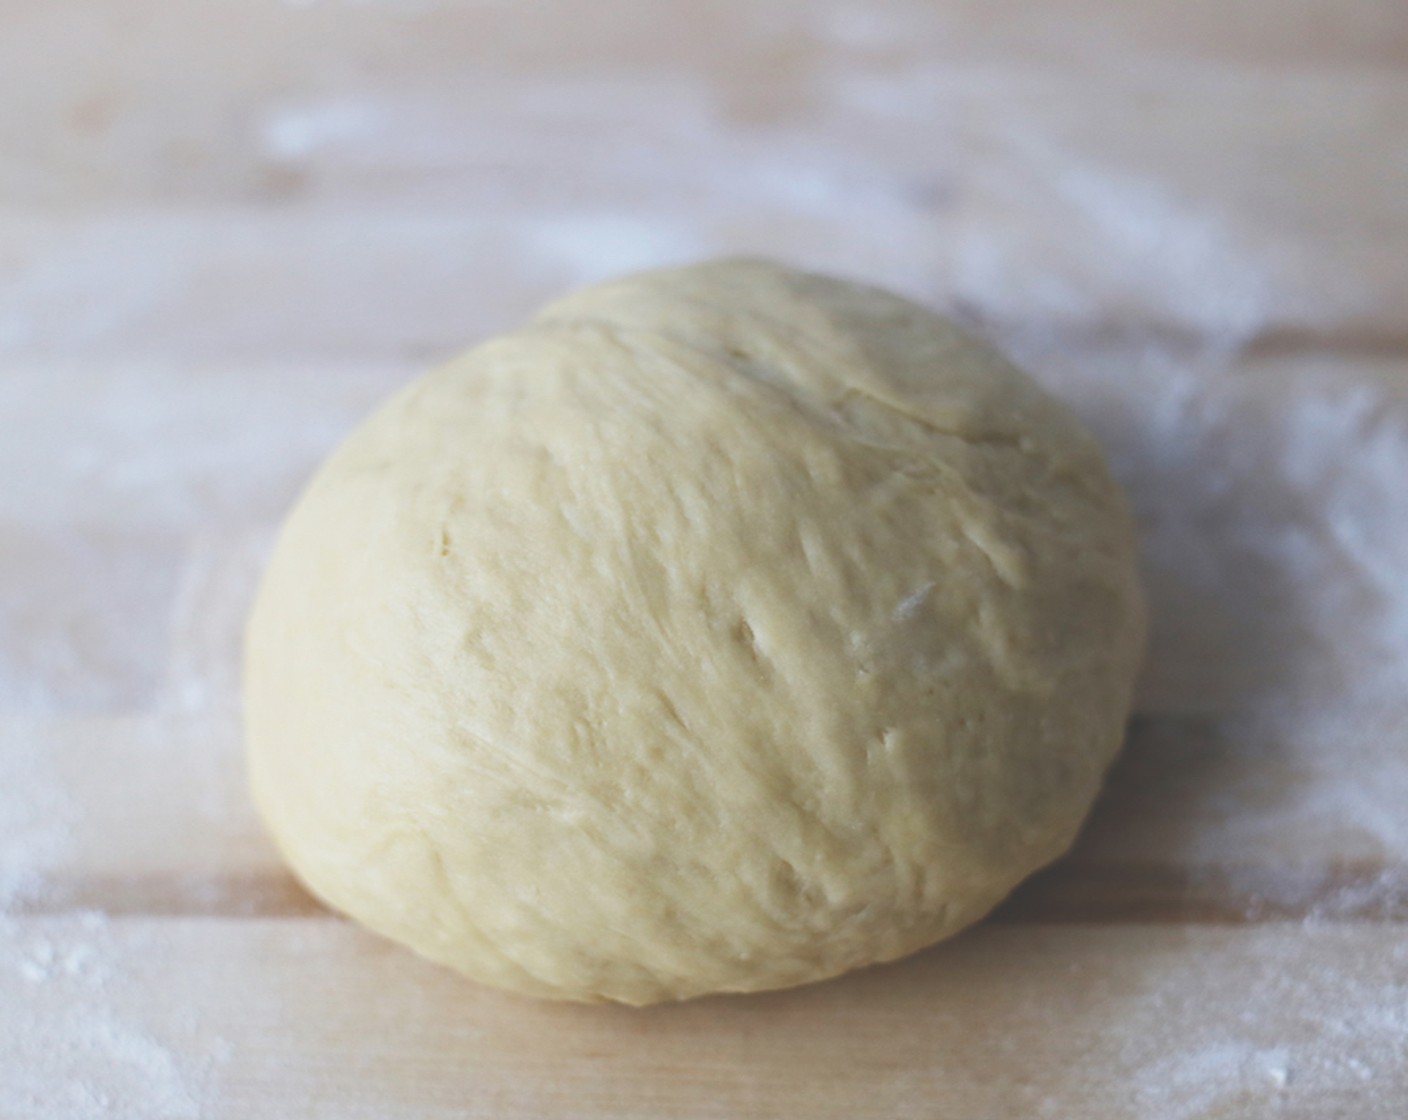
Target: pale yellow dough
x=723, y=629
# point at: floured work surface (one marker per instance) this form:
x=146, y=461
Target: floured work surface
x=226, y=232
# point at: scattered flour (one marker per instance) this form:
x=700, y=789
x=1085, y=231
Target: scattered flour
x=1274, y=517
x=68, y=1052
x=1301, y=1035
x=76, y=1053
x=36, y=816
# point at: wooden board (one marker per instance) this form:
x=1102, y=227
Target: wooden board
x=1150, y=164
x=315, y=1019
x=227, y=230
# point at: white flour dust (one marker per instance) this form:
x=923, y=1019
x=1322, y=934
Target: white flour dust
x=37, y=815
x=82, y=1048
x=1296, y=1035
x=198, y=367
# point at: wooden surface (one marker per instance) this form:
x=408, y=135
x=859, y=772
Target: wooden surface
x=228, y=229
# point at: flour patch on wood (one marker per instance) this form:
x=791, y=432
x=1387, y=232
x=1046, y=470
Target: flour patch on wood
x=77, y=1054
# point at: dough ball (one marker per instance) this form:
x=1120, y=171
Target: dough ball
x=722, y=629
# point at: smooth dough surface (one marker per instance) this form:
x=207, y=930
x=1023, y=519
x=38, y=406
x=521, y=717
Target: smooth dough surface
x=723, y=629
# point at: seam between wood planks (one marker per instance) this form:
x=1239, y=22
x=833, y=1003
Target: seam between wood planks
x=1062, y=895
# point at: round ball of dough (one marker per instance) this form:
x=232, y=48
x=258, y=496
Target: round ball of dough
x=723, y=629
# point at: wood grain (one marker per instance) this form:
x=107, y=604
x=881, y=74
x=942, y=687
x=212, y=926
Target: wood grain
x=316, y=1019
x=378, y=181
x=228, y=229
